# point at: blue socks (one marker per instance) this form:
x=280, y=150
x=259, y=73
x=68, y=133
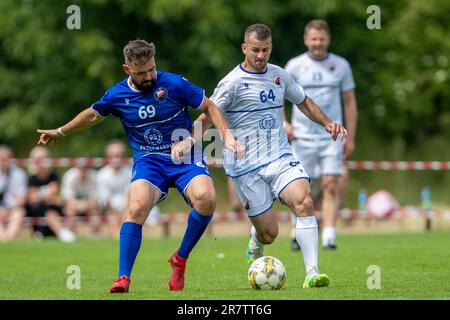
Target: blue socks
x=131, y=238
x=129, y=244
x=196, y=226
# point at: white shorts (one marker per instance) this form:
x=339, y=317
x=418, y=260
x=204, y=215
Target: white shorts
x=258, y=189
x=320, y=157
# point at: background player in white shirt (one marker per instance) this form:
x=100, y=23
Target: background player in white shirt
x=252, y=98
x=326, y=78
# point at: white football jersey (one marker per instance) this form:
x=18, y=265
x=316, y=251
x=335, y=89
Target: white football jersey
x=253, y=106
x=323, y=81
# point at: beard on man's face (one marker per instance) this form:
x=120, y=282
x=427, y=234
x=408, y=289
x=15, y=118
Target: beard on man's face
x=145, y=86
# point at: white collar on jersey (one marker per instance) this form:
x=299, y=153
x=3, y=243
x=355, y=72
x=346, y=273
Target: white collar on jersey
x=131, y=87
x=250, y=72
x=317, y=59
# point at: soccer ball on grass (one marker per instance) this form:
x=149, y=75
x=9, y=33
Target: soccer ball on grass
x=266, y=273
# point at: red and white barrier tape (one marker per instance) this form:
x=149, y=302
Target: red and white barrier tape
x=384, y=165
x=69, y=162
x=398, y=165
x=353, y=165
x=403, y=213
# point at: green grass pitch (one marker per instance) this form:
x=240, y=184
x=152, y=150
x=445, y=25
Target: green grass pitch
x=412, y=266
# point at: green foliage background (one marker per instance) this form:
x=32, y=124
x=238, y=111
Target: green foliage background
x=49, y=73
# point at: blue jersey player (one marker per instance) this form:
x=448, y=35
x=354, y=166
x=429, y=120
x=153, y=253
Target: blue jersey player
x=153, y=108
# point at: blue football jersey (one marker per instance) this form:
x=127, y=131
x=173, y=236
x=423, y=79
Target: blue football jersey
x=152, y=120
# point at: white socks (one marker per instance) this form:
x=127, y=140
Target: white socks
x=328, y=235
x=255, y=241
x=306, y=233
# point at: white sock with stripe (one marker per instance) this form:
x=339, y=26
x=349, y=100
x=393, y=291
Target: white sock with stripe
x=306, y=233
x=255, y=240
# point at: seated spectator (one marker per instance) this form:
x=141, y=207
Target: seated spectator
x=79, y=190
x=13, y=190
x=43, y=204
x=113, y=181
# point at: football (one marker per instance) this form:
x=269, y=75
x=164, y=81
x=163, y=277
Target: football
x=266, y=273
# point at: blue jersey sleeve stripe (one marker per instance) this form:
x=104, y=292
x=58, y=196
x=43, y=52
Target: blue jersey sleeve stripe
x=201, y=102
x=98, y=112
x=191, y=95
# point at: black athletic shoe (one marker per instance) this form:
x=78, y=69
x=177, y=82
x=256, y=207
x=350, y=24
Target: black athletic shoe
x=294, y=245
x=330, y=246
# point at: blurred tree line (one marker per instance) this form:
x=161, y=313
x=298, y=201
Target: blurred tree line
x=49, y=73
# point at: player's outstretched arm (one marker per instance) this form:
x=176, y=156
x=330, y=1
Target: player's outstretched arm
x=216, y=118
x=85, y=119
x=313, y=112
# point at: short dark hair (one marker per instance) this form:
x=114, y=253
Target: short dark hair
x=138, y=51
x=317, y=24
x=262, y=31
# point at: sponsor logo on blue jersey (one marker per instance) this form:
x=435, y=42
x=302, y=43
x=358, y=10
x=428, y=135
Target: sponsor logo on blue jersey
x=153, y=137
x=161, y=94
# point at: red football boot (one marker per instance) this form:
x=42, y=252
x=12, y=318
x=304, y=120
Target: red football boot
x=176, y=282
x=121, y=285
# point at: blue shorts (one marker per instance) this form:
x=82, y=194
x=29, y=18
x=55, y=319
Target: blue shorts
x=163, y=173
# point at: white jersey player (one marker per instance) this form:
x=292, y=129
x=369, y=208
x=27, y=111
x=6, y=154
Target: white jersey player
x=323, y=81
x=253, y=104
x=324, y=77
x=252, y=97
